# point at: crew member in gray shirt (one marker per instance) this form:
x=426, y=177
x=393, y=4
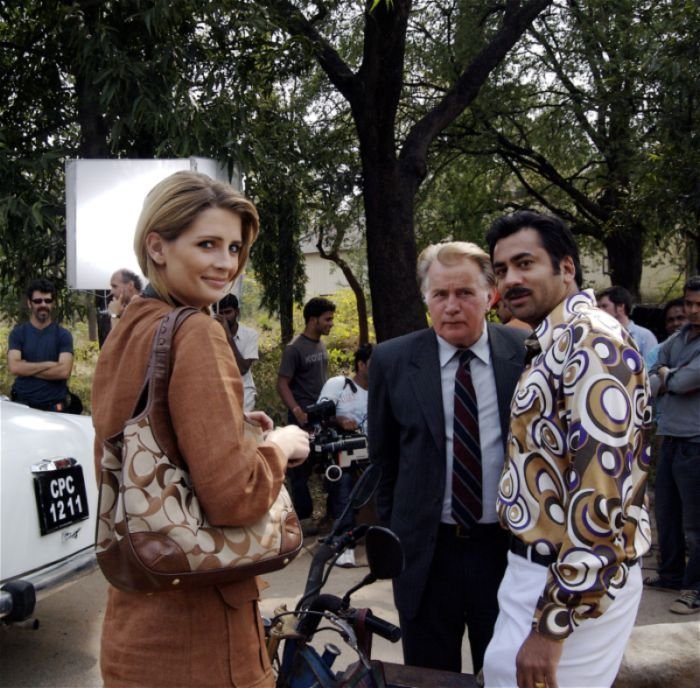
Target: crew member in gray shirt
x=675, y=381
x=301, y=375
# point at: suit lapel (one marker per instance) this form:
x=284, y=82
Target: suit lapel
x=507, y=366
x=424, y=375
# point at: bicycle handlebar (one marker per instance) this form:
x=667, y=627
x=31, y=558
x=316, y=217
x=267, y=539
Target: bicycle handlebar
x=318, y=564
x=328, y=548
x=333, y=604
x=382, y=628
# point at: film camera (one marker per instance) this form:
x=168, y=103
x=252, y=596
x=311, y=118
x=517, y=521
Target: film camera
x=332, y=449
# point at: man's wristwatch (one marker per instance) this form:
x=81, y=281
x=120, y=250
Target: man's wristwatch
x=114, y=316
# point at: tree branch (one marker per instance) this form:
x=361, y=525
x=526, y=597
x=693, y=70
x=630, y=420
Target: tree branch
x=293, y=21
x=517, y=18
x=334, y=256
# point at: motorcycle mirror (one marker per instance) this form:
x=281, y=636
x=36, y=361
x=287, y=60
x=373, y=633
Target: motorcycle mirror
x=384, y=553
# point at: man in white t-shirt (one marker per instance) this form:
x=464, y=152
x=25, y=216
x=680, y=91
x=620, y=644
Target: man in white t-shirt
x=350, y=399
x=244, y=344
x=350, y=396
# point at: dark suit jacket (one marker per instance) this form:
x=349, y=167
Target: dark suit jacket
x=407, y=438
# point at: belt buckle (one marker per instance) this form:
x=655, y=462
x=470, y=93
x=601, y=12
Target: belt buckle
x=461, y=532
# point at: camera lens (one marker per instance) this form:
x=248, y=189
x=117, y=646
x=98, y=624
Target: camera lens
x=334, y=473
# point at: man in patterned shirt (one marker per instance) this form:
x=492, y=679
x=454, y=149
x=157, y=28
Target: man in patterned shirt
x=572, y=489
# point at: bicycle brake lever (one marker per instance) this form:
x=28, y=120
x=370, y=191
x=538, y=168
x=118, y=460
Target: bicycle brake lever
x=347, y=631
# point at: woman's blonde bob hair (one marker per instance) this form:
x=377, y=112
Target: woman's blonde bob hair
x=172, y=206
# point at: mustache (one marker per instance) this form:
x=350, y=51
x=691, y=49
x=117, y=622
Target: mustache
x=515, y=292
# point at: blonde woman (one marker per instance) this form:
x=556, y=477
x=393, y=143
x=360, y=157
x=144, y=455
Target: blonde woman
x=192, y=240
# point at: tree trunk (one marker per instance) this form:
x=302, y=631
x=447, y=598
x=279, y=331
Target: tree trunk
x=286, y=260
x=94, y=132
x=397, y=306
x=693, y=246
x=625, y=259
x=92, y=320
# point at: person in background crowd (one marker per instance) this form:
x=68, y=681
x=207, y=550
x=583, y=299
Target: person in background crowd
x=124, y=286
x=506, y=317
x=192, y=240
x=244, y=344
x=572, y=489
x=675, y=382
x=302, y=372
x=617, y=301
x=40, y=355
x=350, y=399
x=440, y=447
x=674, y=318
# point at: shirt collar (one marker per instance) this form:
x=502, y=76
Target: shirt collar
x=562, y=314
x=480, y=348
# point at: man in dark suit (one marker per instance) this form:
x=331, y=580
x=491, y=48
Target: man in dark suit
x=422, y=427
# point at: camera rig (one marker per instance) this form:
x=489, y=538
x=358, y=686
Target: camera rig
x=332, y=449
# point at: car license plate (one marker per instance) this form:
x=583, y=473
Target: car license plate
x=60, y=498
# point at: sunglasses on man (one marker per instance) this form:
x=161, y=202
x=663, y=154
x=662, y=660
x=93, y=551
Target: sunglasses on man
x=36, y=302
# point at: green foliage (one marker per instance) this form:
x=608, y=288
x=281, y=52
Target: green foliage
x=345, y=332
x=84, y=361
x=389, y=4
x=265, y=376
x=591, y=118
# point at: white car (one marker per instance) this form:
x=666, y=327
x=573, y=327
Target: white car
x=48, y=504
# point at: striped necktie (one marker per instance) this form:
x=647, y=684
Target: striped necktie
x=466, y=467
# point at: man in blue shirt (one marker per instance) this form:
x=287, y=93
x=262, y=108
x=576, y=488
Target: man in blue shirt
x=40, y=354
x=617, y=301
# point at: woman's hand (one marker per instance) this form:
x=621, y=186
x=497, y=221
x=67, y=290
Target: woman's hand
x=294, y=443
x=261, y=419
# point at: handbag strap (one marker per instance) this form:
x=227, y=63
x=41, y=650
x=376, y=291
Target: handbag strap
x=153, y=398
x=160, y=362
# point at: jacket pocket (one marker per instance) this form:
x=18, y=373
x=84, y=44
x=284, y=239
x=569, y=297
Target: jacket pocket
x=248, y=661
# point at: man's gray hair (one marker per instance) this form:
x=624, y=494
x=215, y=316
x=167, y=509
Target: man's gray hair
x=453, y=253
x=129, y=276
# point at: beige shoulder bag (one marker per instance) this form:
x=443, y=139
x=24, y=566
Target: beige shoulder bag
x=152, y=535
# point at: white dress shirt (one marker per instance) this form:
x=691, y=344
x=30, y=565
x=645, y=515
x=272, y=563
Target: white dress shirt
x=490, y=438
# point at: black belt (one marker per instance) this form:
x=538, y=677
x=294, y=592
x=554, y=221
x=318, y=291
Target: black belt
x=478, y=530
x=531, y=554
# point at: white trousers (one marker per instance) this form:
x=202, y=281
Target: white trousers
x=592, y=653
